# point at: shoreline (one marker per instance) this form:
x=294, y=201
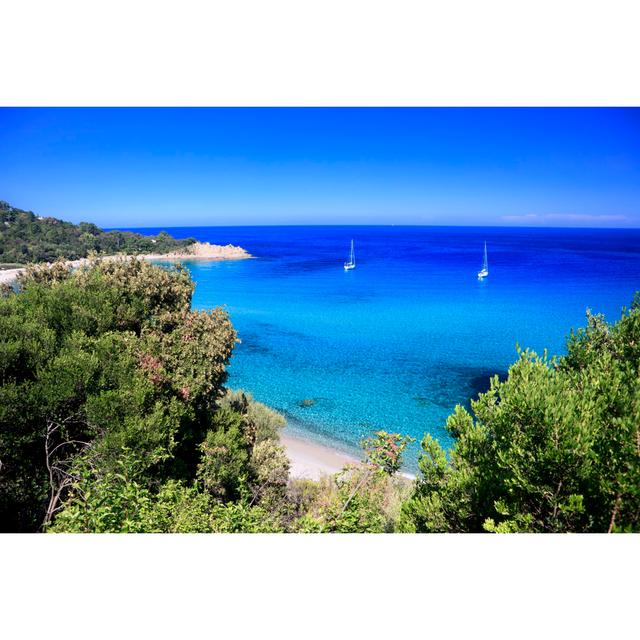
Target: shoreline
x=312, y=460
x=198, y=251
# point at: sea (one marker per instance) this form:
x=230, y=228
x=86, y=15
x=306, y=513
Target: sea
x=399, y=341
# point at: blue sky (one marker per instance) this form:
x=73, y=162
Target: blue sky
x=220, y=166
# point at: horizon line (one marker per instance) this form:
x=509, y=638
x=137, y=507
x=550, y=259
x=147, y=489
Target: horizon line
x=467, y=226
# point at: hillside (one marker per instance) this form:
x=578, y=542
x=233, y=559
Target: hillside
x=26, y=237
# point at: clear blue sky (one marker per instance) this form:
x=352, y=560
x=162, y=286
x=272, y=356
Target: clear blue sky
x=180, y=167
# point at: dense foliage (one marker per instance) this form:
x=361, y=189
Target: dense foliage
x=26, y=238
x=98, y=361
x=555, y=447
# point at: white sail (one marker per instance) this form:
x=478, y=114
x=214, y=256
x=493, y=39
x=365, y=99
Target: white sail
x=484, y=272
x=352, y=259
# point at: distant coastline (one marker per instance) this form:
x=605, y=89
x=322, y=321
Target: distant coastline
x=195, y=251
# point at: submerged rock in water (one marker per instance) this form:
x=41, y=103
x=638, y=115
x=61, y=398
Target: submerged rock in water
x=307, y=402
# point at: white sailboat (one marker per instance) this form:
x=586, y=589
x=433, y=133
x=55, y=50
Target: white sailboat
x=352, y=260
x=484, y=272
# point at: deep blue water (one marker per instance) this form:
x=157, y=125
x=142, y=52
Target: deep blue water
x=411, y=332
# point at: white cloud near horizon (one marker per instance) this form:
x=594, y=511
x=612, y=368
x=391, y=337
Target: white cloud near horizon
x=566, y=217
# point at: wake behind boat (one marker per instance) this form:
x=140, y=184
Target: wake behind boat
x=351, y=264
x=484, y=272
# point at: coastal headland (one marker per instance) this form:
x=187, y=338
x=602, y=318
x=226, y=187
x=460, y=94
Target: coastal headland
x=202, y=251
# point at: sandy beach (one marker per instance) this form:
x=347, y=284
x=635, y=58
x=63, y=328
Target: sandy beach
x=196, y=251
x=7, y=276
x=312, y=460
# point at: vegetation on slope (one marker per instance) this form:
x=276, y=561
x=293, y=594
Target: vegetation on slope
x=114, y=416
x=26, y=238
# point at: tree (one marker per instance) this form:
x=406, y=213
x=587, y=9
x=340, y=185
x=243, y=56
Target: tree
x=94, y=362
x=385, y=450
x=223, y=470
x=25, y=238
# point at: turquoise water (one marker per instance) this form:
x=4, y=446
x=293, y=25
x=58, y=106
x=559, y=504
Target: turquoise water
x=399, y=341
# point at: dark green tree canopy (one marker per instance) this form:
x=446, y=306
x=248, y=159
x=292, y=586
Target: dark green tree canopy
x=26, y=238
x=91, y=362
